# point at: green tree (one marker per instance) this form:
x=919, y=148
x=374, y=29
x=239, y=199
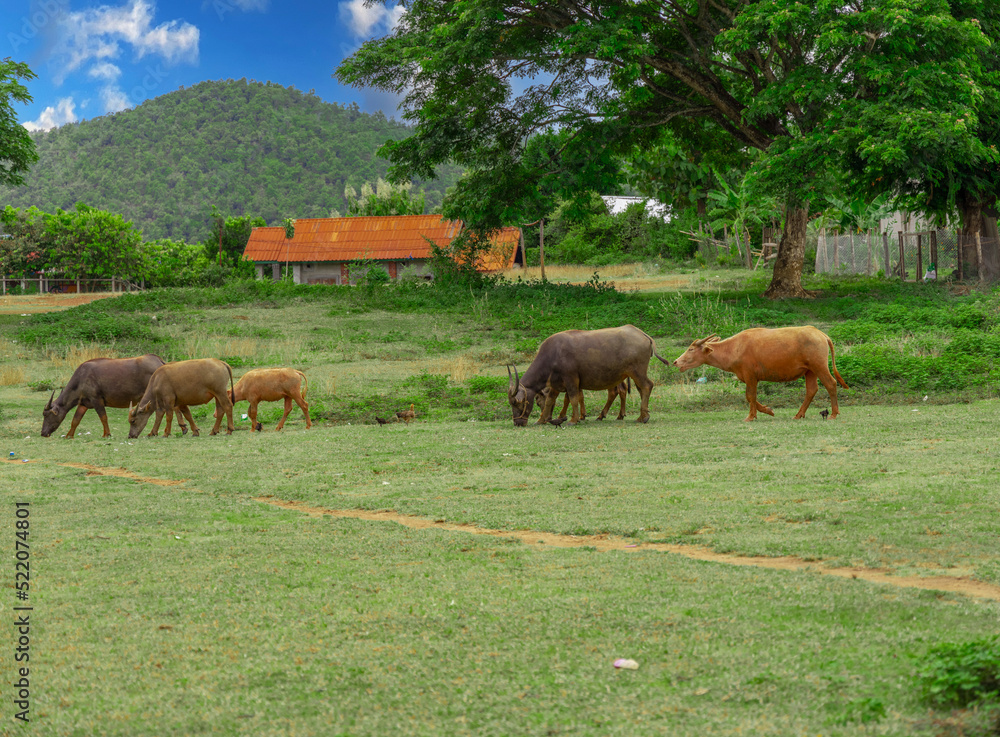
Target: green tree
x=232, y=232
x=87, y=242
x=17, y=149
x=775, y=75
x=22, y=249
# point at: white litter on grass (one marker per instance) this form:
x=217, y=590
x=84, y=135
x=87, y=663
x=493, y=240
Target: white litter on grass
x=626, y=663
x=244, y=417
x=385, y=483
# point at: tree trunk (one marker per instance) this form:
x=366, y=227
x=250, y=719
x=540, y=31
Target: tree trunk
x=787, y=279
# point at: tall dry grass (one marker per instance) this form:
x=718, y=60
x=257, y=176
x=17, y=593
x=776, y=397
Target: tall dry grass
x=74, y=355
x=643, y=276
x=253, y=351
x=11, y=375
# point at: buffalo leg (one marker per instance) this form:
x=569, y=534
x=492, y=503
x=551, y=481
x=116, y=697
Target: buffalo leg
x=301, y=401
x=252, y=414
x=550, y=401
x=566, y=403
x=180, y=420
x=288, y=408
x=612, y=396
x=831, y=388
x=755, y=406
x=156, y=425
x=187, y=413
x=645, y=386
x=80, y=412
x=223, y=403
x=623, y=394
x=811, y=388
x=168, y=428
x=102, y=413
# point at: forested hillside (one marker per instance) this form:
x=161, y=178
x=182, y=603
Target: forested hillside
x=247, y=147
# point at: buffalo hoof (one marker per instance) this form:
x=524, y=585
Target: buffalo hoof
x=260, y=426
x=643, y=420
x=558, y=421
x=184, y=430
x=195, y=433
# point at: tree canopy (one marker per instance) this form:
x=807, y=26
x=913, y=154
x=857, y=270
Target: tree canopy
x=895, y=82
x=17, y=150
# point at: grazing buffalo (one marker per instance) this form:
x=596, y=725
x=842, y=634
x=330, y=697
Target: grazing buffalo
x=272, y=385
x=179, y=385
x=583, y=359
x=100, y=383
x=621, y=391
x=762, y=354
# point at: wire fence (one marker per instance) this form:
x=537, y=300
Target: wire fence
x=41, y=284
x=928, y=254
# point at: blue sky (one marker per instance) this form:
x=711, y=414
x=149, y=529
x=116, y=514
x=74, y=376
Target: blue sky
x=94, y=58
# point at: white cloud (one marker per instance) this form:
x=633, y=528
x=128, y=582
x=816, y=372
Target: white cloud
x=114, y=99
x=98, y=34
x=104, y=70
x=366, y=21
x=53, y=117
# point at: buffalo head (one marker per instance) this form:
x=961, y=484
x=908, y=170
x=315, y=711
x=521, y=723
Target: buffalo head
x=696, y=354
x=52, y=416
x=138, y=416
x=521, y=400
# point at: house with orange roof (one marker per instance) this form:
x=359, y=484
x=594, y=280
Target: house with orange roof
x=322, y=250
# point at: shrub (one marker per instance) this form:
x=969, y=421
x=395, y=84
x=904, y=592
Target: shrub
x=961, y=674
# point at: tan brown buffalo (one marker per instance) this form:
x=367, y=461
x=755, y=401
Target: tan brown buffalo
x=574, y=360
x=100, y=383
x=180, y=385
x=272, y=385
x=763, y=354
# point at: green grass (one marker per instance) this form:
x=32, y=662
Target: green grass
x=193, y=608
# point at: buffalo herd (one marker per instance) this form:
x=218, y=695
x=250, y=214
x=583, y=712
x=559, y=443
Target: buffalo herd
x=610, y=359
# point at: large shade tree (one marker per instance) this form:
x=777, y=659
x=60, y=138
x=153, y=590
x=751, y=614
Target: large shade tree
x=785, y=77
x=17, y=150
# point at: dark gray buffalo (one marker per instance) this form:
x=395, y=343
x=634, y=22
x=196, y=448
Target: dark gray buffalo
x=583, y=359
x=175, y=386
x=100, y=383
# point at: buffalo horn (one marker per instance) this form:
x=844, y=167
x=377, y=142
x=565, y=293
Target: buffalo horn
x=517, y=379
x=49, y=404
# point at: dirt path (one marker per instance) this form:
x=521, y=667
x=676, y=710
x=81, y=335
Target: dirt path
x=29, y=304
x=602, y=543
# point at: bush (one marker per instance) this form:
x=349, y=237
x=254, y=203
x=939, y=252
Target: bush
x=962, y=674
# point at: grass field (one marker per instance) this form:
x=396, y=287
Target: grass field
x=458, y=575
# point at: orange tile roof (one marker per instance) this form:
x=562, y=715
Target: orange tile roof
x=385, y=238
x=505, y=244
x=350, y=239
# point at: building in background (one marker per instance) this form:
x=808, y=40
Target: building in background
x=322, y=250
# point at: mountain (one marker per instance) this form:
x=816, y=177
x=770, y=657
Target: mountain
x=253, y=148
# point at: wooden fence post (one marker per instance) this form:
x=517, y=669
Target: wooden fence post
x=868, y=240
x=934, y=256
x=902, y=258
x=920, y=257
x=885, y=248
x=836, y=252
